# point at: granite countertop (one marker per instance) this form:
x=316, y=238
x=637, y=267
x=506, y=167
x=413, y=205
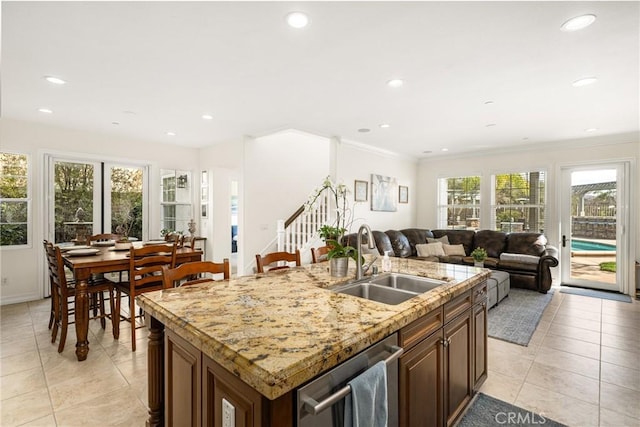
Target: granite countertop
x=278, y=330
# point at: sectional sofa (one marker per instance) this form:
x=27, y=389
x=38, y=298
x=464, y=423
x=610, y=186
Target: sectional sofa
x=525, y=256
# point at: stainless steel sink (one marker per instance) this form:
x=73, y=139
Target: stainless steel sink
x=389, y=288
x=375, y=292
x=406, y=282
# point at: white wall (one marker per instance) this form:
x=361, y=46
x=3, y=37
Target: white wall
x=548, y=157
x=355, y=162
x=23, y=267
x=278, y=174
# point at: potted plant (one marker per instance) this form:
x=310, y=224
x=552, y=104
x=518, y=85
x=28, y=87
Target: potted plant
x=124, y=228
x=479, y=255
x=338, y=257
x=328, y=232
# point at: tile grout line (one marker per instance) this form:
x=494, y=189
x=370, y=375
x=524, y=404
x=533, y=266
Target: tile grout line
x=46, y=381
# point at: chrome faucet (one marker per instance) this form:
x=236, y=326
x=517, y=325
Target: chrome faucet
x=372, y=245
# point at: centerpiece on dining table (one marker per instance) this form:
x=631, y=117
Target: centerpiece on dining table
x=125, y=218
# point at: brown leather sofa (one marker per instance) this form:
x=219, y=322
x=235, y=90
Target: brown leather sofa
x=530, y=271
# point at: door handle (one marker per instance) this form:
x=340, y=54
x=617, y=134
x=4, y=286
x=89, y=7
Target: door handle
x=564, y=241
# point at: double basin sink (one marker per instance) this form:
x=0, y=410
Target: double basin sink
x=389, y=288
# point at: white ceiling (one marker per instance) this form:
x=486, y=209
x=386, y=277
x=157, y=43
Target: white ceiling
x=157, y=67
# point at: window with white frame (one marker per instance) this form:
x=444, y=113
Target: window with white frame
x=519, y=201
x=177, y=209
x=459, y=202
x=14, y=199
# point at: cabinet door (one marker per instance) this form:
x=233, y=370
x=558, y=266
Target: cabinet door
x=457, y=366
x=182, y=390
x=479, y=344
x=421, y=384
x=226, y=398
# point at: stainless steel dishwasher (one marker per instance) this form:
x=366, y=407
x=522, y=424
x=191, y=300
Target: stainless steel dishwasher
x=320, y=403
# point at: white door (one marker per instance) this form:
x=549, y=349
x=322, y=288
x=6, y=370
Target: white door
x=593, y=226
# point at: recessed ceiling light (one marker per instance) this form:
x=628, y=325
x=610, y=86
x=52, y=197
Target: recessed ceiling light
x=45, y=110
x=297, y=19
x=578, y=22
x=385, y=125
x=395, y=83
x=526, y=138
x=488, y=102
x=444, y=149
x=115, y=123
x=585, y=81
x=591, y=129
x=54, y=80
x=427, y=152
x=171, y=134
x=129, y=112
x=207, y=117
x=364, y=130
x=490, y=125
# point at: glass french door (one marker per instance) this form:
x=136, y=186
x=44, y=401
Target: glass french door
x=593, y=226
x=88, y=197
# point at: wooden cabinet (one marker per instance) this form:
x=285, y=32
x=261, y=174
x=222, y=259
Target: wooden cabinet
x=457, y=366
x=200, y=392
x=421, y=390
x=444, y=361
x=182, y=374
x=479, y=344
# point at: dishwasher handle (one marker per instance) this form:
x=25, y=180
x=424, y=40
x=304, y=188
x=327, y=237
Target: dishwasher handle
x=314, y=407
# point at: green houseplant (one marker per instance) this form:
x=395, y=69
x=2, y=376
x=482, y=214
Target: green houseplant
x=338, y=257
x=479, y=255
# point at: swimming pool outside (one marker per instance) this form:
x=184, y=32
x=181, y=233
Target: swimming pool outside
x=589, y=246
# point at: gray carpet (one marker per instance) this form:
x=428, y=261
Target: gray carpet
x=516, y=317
x=614, y=296
x=489, y=411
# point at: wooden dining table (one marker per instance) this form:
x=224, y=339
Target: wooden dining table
x=107, y=260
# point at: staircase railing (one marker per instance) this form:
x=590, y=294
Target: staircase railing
x=301, y=229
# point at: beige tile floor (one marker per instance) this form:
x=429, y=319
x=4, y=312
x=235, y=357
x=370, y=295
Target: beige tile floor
x=582, y=368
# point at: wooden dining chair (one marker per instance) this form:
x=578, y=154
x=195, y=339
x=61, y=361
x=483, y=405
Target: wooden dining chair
x=192, y=272
x=145, y=275
x=104, y=237
x=319, y=254
x=64, y=297
x=263, y=262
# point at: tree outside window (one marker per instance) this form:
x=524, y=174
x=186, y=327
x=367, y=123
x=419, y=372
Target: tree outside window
x=459, y=203
x=14, y=199
x=520, y=201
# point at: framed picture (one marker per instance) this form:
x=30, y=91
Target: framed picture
x=403, y=194
x=384, y=192
x=361, y=191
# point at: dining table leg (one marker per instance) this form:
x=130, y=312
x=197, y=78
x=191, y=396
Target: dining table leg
x=82, y=318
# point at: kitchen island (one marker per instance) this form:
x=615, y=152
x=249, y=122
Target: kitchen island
x=273, y=332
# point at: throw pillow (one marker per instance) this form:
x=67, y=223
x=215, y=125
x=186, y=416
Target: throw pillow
x=454, y=250
x=430, y=249
x=443, y=239
x=527, y=259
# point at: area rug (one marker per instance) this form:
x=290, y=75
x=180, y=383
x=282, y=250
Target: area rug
x=516, y=317
x=488, y=411
x=614, y=296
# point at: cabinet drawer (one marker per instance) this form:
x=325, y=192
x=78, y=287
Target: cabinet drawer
x=457, y=306
x=416, y=331
x=480, y=293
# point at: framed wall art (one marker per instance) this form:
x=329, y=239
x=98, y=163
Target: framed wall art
x=361, y=191
x=403, y=194
x=384, y=192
